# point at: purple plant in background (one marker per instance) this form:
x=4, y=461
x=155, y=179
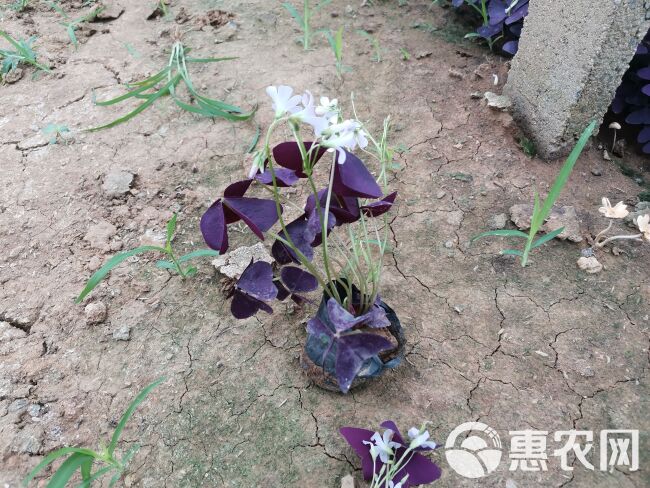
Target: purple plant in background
x=502, y=21
x=308, y=250
x=387, y=459
x=631, y=104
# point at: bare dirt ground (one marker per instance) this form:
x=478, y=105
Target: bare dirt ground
x=547, y=347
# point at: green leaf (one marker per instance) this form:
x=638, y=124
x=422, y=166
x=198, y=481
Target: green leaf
x=129, y=411
x=110, y=264
x=166, y=265
x=141, y=87
x=150, y=100
x=322, y=4
x=53, y=456
x=294, y=13
x=565, y=172
x=198, y=254
x=255, y=140
x=210, y=60
x=502, y=233
x=547, y=237
x=98, y=474
x=190, y=271
x=171, y=228
x=67, y=469
x=86, y=467
x=511, y=252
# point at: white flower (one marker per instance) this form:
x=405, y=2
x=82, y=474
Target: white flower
x=420, y=439
x=308, y=115
x=619, y=211
x=328, y=108
x=383, y=444
x=643, y=222
x=346, y=135
x=283, y=99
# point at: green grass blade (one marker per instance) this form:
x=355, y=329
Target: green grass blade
x=147, y=81
x=110, y=264
x=12, y=41
x=98, y=474
x=198, y=254
x=255, y=140
x=163, y=264
x=150, y=100
x=565, y=172
x=53, y=456
x=502, y=233
x=129, y=411
x=86, y=468
x=294, y=13
x=171, y=228
x=322, y=4
x=511, y=252
x=210, y=60
x=66, y=470
x=547, y=237
x=126, y=96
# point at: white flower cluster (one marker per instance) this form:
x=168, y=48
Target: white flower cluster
x=325, y=119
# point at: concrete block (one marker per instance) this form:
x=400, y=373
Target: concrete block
x=572, y=57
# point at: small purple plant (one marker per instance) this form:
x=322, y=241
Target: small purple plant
x=313, y=249
x=387, y=459
x=502, y=21
x=631, y=103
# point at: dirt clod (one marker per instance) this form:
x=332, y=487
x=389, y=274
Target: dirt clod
x=95, y=313
x=590, y=265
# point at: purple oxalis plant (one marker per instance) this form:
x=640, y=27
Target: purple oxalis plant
x=632, y=99
x=502, y=21
x=387, y=459
x=308, y=250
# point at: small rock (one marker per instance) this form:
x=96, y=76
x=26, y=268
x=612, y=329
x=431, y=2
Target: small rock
x=95, y=313
x=423, y=54
x=8, y=332
x=497, y=222
x=484, y=70
x=99, y=234
x=117, y=183
x=590, y=265
x=450, y=244
x=596, y=171
x=347, y=481
x=520, y=215
x=122, y=334
x=13, y=76
x=456, y=74
x=497, y=102
x=34, y=410
x=476, y=95
x=234, y=263
x=606, y=156
x=94, y=263
x=111, y=11
x=28, y=441
x=564, y=217
x=441, y=194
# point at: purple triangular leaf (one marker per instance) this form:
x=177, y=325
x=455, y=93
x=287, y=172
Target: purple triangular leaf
x=299, y=238
x=259, y=214
x=497, y=11
x=257, y=281
x=511, y=47
x=283, y=177
x=420, y=469
x=244, y=306
x=641, y=116
x=352, y=179
x=397, y=436
x=352, y=351
x=287, y=154
x=375, y=209
x=355, y=437
x=213, y=227
x=237, y=189
x=520, y=11
x=644, y=135
x=644, y=73
x=298, y=280
x=313, y=231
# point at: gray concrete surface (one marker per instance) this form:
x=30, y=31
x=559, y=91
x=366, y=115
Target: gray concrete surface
x=572, y=56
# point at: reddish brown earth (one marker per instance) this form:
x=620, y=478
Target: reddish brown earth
x=547, y=347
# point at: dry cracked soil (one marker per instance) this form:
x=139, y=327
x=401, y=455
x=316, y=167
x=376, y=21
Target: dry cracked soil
x=547, y=347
